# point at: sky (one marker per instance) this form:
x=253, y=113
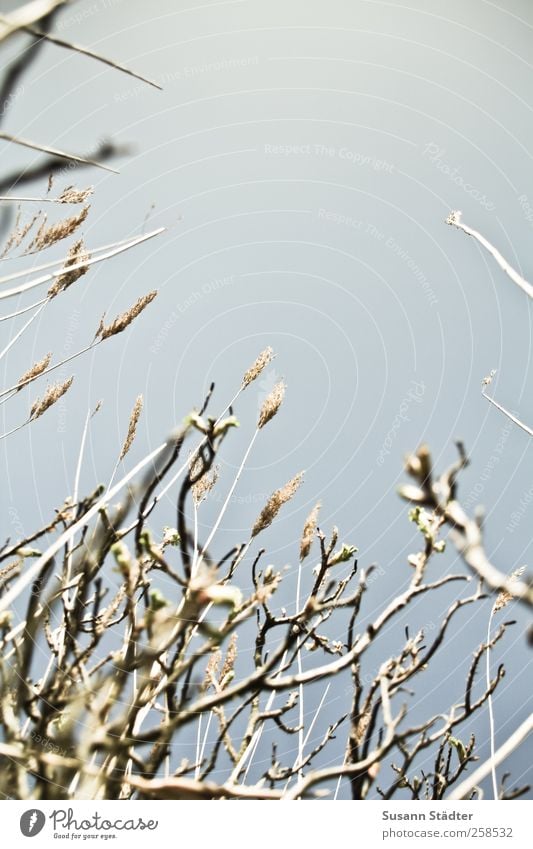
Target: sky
x=303, y=158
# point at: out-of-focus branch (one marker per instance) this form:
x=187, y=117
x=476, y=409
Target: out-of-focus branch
x=27, y=15
x=20, y=65
x=53, y=164
x=189, y=788
x=58, y=154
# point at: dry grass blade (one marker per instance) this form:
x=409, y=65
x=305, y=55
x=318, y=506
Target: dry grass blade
x=34, y=371
x=52, y=151
x=132, y=426
x=60, y=42
x=69, y=195
x=52, y=394
x=275, y=503
x=125, y=319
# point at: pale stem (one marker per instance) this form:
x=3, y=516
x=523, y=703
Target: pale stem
x=24, y=309
x=53, y=262
x=198, y=747
x=256, y=736
x=23, y=383
x=228, y=497
x=509, y=415
x=491, y=712
x=21, y=331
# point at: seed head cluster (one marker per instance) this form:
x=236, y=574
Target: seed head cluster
x=264, y=358
x=52, y=394
x=34, y=371
x=271, y=404
x=275, y=503
x=308, y=532
x=125, y=319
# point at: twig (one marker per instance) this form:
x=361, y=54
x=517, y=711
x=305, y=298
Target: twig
x=454, y=219
x=470, y=783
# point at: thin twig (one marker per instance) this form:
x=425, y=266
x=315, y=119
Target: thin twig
x=455, y=220
x=506, y=412
x=518, y=737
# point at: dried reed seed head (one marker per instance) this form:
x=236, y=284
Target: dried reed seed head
x=202, y=488
x=132, y=426
x=19, y=232
x=275, y=503
x=308, y=532
x=211, y=670
x=73, y=195
x=489, y=378
x=8, y=570
x=229, y=661
x=34, y=371
x=76, y=254
x=271, y=404
x=123, y=321
x=361, y=726
x=49, y=235
x=454, y=218
x=503, y=598
x=264, y=358
x=52, y=394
